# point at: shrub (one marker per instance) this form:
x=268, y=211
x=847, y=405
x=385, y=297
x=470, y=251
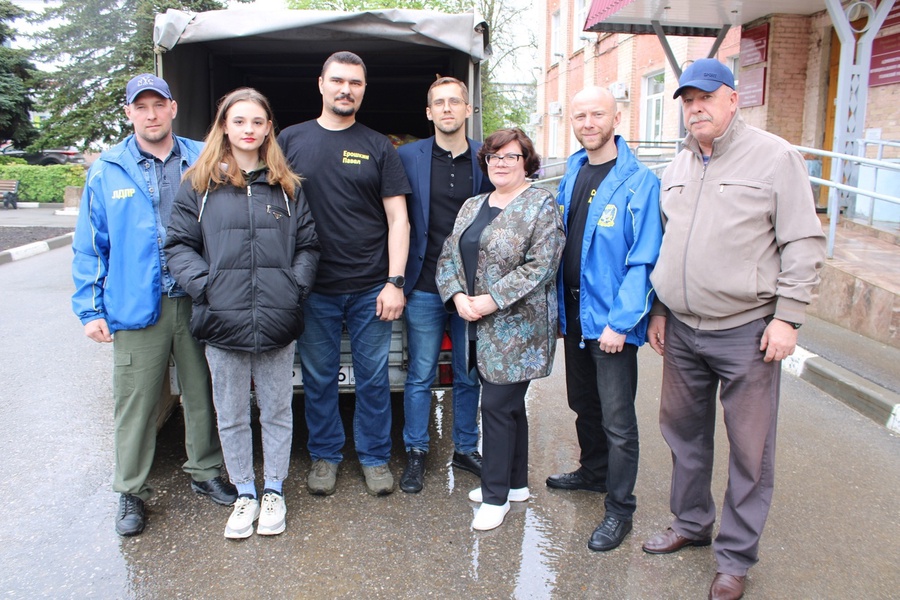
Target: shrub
x=43, y=184
x=12, y=160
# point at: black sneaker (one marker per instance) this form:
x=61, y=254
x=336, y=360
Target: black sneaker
x=413, y=478
x=130, y=519
x=609, y=534
x=468, y=462
x=218, y=490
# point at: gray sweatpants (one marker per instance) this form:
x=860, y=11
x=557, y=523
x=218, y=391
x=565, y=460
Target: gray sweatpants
x=271, y=372
x=695, y=364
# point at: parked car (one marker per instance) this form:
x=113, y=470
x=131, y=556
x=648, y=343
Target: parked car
x=55, y=156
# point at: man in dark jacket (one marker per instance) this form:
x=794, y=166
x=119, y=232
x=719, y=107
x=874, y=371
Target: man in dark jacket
x=123, y=289
x=443, y=173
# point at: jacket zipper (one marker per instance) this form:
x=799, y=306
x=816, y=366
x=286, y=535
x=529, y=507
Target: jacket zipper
x=253, y=282
x=687, y=244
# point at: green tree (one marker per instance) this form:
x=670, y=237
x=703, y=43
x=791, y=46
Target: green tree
x=16, y=82
x=101, y=44
x=510, y=40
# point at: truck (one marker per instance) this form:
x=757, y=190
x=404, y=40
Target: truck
x=203, y=56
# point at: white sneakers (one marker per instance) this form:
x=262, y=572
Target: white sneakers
x=272, y=516
x=515, y=495
x=489, y=516
x=240, y=523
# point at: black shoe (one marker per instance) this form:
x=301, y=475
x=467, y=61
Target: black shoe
x=130, y=519
x=413, y=478
x=574, y=481
x=218, y=490
x=468, y=462
x=609, y=534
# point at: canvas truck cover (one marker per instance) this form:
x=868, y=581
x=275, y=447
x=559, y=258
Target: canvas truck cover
x=280, y=52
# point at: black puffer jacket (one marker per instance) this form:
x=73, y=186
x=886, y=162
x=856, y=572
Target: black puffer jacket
x=248, y=258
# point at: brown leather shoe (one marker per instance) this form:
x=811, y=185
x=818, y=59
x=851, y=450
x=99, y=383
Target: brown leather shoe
x=727, y=587
x=668, y=541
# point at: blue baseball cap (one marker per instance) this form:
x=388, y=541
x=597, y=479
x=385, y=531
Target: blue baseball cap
x=706, y=74
x=146, y=82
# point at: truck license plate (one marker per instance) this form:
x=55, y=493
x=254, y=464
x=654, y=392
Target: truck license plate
x=345, y=376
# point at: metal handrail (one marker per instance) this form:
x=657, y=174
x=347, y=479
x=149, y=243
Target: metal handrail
x=833, y=210
x=881, y=164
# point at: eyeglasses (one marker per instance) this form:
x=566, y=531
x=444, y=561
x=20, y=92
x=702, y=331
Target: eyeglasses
x=506, y=159
x=454, y=102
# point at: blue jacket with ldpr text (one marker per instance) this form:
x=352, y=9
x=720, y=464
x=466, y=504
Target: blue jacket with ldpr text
x=621, y=243
x=117, y=267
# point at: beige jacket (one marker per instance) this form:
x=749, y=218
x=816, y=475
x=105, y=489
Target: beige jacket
x=742, y=240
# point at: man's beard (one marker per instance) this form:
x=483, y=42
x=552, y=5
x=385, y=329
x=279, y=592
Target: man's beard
x=343, y=112
x=605, y=136
x=450, y=131
x=156, y=137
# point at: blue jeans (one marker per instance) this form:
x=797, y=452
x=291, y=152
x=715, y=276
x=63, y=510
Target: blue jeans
x=426, y=320
x=601, y=389
x=319, y=348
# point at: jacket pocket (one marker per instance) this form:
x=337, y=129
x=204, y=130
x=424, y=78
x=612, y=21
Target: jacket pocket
x=725, y=184
x=276, y=212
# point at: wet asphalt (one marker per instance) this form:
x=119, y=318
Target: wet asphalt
x=833, y=531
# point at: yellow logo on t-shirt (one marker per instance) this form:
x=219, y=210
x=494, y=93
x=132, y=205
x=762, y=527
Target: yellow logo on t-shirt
x=608, y=218
x=123, y=193
x=354, y=158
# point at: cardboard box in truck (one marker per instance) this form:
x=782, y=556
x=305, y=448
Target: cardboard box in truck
x=205, y=55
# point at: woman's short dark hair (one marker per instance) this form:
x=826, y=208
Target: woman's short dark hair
x=502, y=137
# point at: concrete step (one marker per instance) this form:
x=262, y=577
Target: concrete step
x=860, y=287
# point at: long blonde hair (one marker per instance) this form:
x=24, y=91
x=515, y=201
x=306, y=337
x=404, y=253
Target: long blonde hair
x=216, y=166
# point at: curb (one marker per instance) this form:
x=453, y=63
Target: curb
x=869, y=399
x=28, y=250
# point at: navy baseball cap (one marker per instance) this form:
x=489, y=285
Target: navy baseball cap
x=143, y=83
x=706, y=74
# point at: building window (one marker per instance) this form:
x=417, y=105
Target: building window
x=555, y=46
x=552, y=136
x=579, y=37
x=734, y=63
x=654, y=91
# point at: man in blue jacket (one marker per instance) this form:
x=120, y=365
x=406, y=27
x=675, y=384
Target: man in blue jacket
x=610, y=205
x=443, y=173
x=124, y=294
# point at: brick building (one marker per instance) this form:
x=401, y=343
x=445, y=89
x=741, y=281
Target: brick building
x=787, y=74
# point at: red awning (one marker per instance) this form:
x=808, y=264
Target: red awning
x=602, y=9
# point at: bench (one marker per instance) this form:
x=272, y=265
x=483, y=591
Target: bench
x=9, y=192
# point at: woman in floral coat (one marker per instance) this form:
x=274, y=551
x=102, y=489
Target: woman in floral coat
x=498, y=271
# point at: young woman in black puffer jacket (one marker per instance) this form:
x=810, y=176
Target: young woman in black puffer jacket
x=242, y=243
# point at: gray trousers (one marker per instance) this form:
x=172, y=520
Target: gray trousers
x=271, y=372
x=696, y=363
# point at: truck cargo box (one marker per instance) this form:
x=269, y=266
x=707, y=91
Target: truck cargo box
x=205, y=55
x=280, y=52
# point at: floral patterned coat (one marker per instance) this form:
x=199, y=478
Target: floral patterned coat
x=517, y=263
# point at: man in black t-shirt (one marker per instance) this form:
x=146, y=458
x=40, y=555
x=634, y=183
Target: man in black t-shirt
x=443, y=172
x=356, y=188
x=613, y=234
